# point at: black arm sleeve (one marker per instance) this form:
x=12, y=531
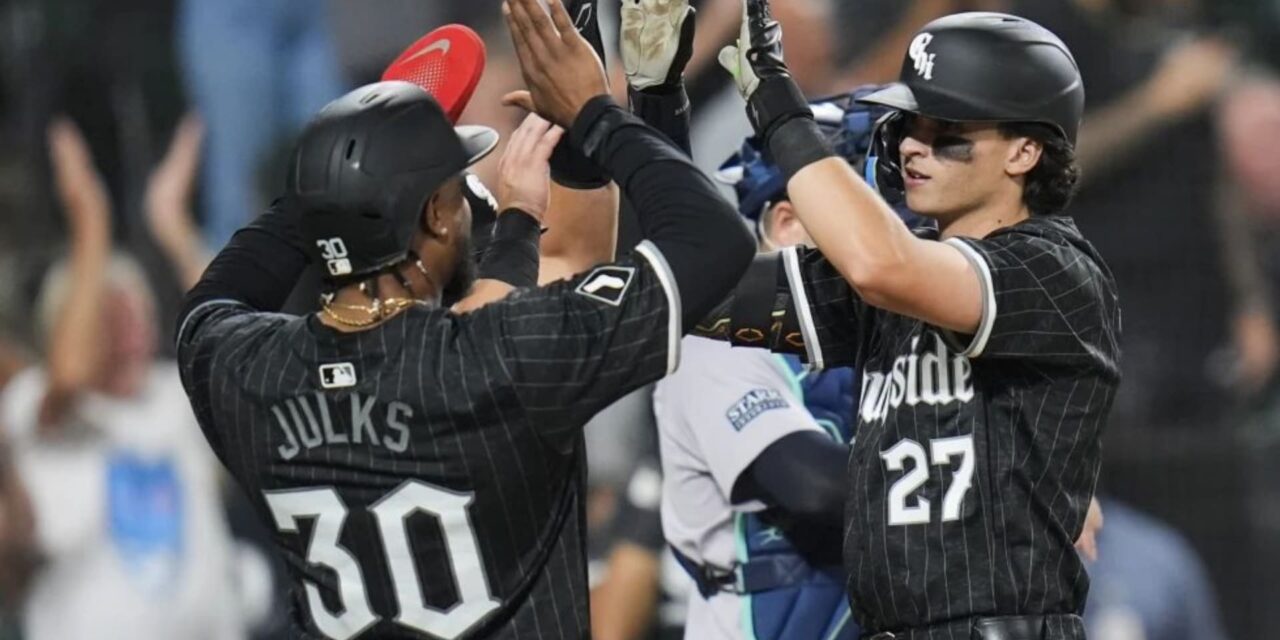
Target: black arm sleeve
x=259, y=266
x=512, y=254
x=803, y=474
x=679, y=210
x=570, y=167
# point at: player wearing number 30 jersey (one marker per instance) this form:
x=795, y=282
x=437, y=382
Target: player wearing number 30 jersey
x=423, y=469
x=988, y=348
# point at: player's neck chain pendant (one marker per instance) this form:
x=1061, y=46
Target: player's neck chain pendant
x=379, y=311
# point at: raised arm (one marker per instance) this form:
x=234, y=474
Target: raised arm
x=513, y=259
x=573, y=348
x=168, y=203
x=657, y=42
x=852, y=225
x=259, y=266
x=582, y=220
x=75, y=343
x=680, y=211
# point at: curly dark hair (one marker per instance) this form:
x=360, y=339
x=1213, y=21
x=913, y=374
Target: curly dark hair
x=1052, y=183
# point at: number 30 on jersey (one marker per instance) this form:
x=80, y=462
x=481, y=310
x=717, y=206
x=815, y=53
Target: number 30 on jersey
x=904, y=508
x=324, y=506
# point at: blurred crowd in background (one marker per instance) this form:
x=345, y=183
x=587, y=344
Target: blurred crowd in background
x=137, y=135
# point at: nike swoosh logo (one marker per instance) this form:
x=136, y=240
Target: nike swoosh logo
x=442, y=46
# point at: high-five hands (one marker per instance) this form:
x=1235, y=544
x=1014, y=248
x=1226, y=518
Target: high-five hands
x=560, y=68
x=657, y=42
x=759, y=71
x=523, y=172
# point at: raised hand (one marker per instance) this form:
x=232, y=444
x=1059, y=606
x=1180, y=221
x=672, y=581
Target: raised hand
x=759, y=71
x=657, y=42
x=560, y=68
x=75, y=346
x=569, y=168
x=758, y=50
x=168, y=203
x=523, y=171
x=79, y=187
x=168, y=196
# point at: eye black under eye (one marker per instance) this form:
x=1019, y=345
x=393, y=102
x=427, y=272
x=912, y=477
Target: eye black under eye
x=953, y=148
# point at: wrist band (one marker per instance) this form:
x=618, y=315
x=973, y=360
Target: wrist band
x=594, y=123
x=665, y=108
x=513, y=250
x=570, y=168
x=796, y=144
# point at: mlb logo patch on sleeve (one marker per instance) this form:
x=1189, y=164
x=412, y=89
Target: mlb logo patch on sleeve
x=607, y=284
x=750, y=406
x=338, y=376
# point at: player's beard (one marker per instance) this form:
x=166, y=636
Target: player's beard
x=463, y=276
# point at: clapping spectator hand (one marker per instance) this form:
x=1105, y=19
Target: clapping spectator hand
x=74, y=346
x=168, y=202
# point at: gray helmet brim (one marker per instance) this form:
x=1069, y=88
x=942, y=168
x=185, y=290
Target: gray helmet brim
x=477, y=141
x=895, y=96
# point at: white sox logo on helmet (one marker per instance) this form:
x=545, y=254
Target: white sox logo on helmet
x=922, y=58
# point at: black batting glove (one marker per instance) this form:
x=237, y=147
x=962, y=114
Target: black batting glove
x=569, y=167
x=777, y=109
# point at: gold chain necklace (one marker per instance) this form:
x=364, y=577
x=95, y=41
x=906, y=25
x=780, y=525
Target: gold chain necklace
x=381, y=310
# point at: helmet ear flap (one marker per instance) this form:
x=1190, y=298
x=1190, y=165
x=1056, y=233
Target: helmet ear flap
x=885, y=159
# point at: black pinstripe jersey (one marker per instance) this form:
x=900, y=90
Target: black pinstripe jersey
x=976, y=456
x=424, y=477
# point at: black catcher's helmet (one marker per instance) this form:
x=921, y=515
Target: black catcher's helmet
x=365, y=167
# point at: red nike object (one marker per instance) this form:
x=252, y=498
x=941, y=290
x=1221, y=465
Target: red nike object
x=447, y=62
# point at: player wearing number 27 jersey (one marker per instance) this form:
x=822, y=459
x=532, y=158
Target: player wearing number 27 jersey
x=976, y=455
x=988, y=349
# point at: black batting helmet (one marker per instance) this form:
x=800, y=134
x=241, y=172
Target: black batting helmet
x=365, y=167
x=989, y=67
x=979, y=67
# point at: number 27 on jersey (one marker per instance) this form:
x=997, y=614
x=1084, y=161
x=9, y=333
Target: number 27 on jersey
x=907, y=508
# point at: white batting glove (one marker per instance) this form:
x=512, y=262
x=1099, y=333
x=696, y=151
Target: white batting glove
x=657, y=41
x=734, y=59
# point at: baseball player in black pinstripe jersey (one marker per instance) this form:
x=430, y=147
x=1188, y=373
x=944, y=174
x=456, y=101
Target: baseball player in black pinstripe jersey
x=423, y=468
x=988, y=346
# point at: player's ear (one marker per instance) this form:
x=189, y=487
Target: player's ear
x=429, y=218
x=447, y=212
x=1023, y=156
x=784, y=228
x=435, y=216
